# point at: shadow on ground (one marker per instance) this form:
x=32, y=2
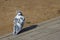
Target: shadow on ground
x=28, y=28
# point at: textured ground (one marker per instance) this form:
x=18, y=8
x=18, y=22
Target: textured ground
x=35, y=11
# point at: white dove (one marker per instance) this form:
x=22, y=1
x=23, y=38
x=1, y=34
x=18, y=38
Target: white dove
x=18, y=22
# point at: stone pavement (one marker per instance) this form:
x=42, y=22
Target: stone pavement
x=48, y=30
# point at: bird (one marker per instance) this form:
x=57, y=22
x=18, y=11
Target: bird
x=18, y=22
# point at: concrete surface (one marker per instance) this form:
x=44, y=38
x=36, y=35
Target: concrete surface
x=48, y=30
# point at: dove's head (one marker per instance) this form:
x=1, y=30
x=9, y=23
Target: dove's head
x=19, y=12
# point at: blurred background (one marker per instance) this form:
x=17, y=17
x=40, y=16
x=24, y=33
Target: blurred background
x=35, y=11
